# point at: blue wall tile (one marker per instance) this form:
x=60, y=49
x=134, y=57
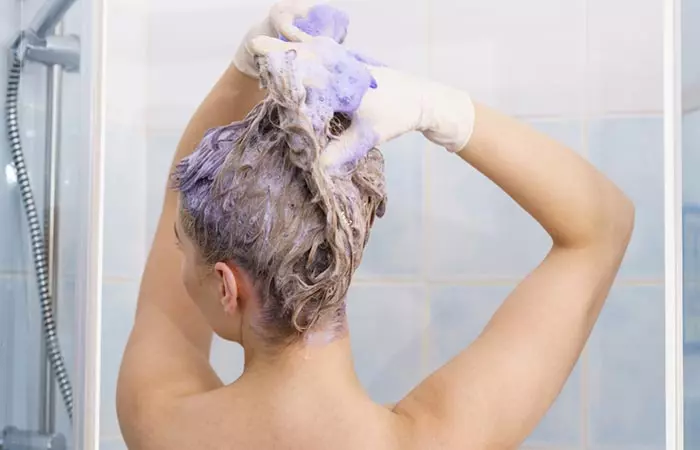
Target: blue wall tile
x=630, y=152
x=395, y=245
x=626, y=378
x=474, y=228
x=19, y=352
x=691, y=274
x=386, y=329
x=112, y=444
x=118, y=309
x=14, y=237
x=226, y=359
x=458, y=314
x=691, y=394
x=691, y=158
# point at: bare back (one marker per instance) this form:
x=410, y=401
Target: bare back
x=490, y=396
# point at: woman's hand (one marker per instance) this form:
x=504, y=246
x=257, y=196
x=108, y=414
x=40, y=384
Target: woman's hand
x=397, y=103
x=295, y=21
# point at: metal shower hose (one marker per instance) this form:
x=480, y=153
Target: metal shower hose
x=36, y=237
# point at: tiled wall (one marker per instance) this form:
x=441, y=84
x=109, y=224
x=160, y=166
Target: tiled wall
x=20, y=326
x=691, y=229
x=15, y=325
x=19, y=307
x=452, y=245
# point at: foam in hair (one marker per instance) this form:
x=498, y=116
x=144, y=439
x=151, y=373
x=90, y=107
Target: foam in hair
x=254, y=193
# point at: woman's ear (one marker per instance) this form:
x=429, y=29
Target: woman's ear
x=228, y=288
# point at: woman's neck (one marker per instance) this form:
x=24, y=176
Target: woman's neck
x=320, y=363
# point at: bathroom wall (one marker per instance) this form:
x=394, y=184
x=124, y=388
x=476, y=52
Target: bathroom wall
x=452, y=245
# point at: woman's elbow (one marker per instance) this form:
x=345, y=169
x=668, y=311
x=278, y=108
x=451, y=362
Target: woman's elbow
x=617, y=222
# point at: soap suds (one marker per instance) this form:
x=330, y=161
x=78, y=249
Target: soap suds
x=254, y=192
x=324, y=20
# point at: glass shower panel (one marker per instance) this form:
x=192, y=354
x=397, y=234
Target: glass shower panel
x=51, y=108
x=20, y=334
x=690, y=68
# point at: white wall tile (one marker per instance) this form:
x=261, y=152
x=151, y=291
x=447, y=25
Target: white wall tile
x=625, y=56
x=211, y=34
x=395, y=35
x=9, y=26
x=125, y=203
x=525, y=58
x=161, y=147
x=690, y=59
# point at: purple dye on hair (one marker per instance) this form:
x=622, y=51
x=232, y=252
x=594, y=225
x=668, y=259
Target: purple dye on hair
x=254, y=192
x=367, y=60
x=333, y=81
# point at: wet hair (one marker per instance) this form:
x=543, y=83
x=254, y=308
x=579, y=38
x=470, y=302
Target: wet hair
x=254, y=194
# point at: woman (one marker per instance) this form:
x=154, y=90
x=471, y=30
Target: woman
x=285, y=303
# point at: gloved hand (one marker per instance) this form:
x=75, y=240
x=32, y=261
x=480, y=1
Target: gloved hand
x=397, y=103
x=292, y=20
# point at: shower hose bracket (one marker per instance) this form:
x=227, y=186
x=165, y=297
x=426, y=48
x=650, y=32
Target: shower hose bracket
x=63, y=51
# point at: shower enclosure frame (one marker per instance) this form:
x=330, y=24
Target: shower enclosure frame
x=86, y=428
x=673, y=225
x=36, y=43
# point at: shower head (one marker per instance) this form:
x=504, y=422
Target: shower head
x=48, y=17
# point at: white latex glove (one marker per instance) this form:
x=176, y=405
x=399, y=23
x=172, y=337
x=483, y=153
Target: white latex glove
x=400, y=103
x=279, y=22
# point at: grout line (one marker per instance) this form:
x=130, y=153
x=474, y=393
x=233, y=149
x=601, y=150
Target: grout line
x=485, y=281
x=176, y=128
x=422, y=280
x=13, y=275
x=120, y=280
x=691, y=110
x=601, y=116
x=425, y=207
x=547, y=447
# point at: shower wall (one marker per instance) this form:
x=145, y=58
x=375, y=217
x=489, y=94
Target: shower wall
x=20, y=323
x=690, y=44
x=452, y=245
